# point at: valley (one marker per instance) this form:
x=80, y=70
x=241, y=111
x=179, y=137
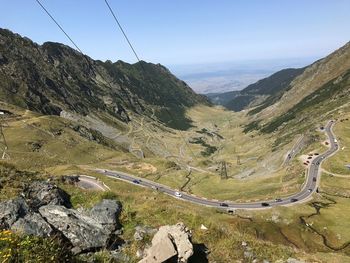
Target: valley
x=62, y=115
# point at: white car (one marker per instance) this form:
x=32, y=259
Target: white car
x=178, y=194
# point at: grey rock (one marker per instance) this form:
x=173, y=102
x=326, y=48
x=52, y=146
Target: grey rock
x=42, y=193
x=11, y=211
x=85, y=233
x=32, y=224
x=107, y=213
x=168, y=242
x=70, y=179
x=161, y=251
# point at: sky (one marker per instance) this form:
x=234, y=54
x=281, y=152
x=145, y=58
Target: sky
x=181, y=32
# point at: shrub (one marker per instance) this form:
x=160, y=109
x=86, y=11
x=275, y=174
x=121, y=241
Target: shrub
x=18, y=248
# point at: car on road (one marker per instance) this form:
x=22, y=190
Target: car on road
x=314, y=179
x=293, y=200
x=178, y=194
x=265, y=204
x=155, y=188
x=136, y=181
x=309, y=190
x=278, y=200
x=224, y=204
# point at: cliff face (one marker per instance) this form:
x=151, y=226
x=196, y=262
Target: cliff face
x=52, y=78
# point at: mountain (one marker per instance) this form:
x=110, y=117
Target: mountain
x=313, y=79
x=263, y=92
x=55, y=79
x=319, y=93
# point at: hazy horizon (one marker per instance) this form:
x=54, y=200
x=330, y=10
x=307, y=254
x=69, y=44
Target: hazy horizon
x=235, y=75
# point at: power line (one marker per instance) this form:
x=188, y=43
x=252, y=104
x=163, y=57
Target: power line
x=122, y=30
x=54, y=20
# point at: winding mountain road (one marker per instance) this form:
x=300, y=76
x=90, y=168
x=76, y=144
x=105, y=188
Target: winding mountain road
x=310, y=185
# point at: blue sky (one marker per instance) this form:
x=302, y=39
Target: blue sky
x=188, y=31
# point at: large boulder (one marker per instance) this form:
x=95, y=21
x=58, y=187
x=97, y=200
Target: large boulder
x=41, y=193
x=85, y=233
x=11, y=211
x=106, y=213
x=44, y=210
x=32, y=224
x=170, y=242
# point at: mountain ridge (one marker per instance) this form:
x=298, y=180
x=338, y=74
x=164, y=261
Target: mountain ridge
x=258, y=93
x=53, y=77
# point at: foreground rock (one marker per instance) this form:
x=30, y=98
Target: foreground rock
x=43, y=193
x=170, y=242
x=107, y=213
x=11, y=211
x=33, y=224
x=44, y=210
x=83, y=232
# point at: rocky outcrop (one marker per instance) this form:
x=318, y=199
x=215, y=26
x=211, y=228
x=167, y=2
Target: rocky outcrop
x=83, y=232
x=53, y=77
x=44, y=210
x=33, y=224
x=44, y=193
x=170, y=242
x=11, y=211
x=106, y=213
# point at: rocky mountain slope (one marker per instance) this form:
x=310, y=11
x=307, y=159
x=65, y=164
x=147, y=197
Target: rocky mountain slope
x=277, y=94
x=318, y=94
x=264, y=92
x=314, y=77
x=53, y=78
